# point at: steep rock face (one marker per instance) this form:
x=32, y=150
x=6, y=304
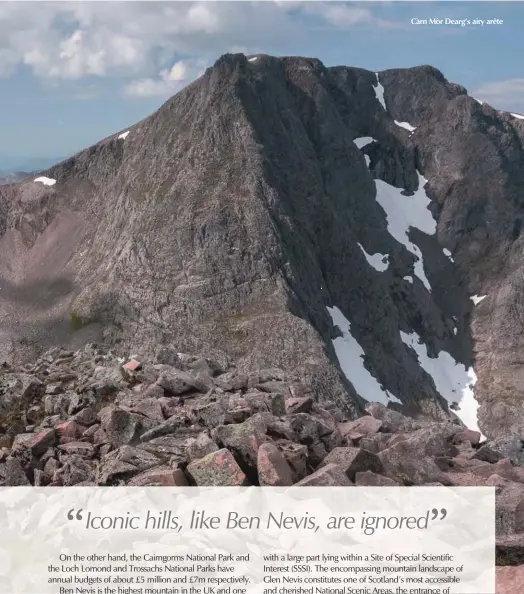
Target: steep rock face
x=242, y=213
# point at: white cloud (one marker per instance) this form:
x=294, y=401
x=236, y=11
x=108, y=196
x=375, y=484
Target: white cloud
x=342, y=16
x=177, y=72
x=72, y=40
x=502, y=94
x=169, y=81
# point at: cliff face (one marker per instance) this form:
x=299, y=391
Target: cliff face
x=280, y=213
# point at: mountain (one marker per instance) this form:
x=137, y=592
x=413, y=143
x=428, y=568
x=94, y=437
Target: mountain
x=10, y=164
x=13, y=177
x=361, y=229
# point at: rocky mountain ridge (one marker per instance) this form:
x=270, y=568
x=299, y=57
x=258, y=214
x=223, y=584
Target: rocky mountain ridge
x=362, y=229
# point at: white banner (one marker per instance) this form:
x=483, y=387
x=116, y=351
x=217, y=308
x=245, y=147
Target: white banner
x=298, y=540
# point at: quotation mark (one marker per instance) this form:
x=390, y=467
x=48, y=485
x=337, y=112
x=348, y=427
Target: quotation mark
x=72, y=516
x=435, y=512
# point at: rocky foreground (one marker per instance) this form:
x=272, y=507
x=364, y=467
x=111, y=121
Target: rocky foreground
x=89, y=418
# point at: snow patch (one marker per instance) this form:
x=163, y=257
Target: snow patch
x=47, y=181
x=404, y=212
x=453, y=381
x=368, y=160
x=476, y=299
x=448, y=254
x=405, y=125
x=455, y=330
x=409, y=279
x=124, y=135
x=363, y=141
x=379, y=262
x=350, y=357
x=253, y=59
x=518, y=116
x=379, y=92
x=479, y=101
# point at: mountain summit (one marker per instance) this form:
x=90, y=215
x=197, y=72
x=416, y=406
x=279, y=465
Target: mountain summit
x=362, y=229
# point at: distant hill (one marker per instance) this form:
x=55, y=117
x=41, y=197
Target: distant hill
x=10, y=164
x=15, y=176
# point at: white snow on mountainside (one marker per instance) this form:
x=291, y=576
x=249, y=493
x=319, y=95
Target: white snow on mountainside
x=448, y=254
x=404, y=212
x=476, y=299
x=378, y=261
x=453, y=381
x=47, y=181
x=363, y=141
x=350, y=357
x=379, y=92
x=405, y=125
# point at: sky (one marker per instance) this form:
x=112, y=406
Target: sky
x=72, y=73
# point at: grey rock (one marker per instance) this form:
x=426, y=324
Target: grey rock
x=353, y=460
x=273, y=469
x=200, y=446
x=505, y=446
x=122, y=427
x=330, y=475
x=14, y=473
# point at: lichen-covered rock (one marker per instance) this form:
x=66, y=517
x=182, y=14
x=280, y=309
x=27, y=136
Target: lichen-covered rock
x=218, y=469
x=243, y=440
x=122, y=427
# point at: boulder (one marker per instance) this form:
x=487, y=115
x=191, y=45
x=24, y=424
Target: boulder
x=177, y=382
x=362, y=427
x=510, y=580
x=372, y=479
x=273, y=469
x=296, y=455
x=218, y=469
x=408, y=466
x=120, y=426
x=506, y=446
x=14, y=473
x=243, y=440
x=467, y=435
x=352, y=460
x=200, y=446
x=79, y=448
x=330, y=475
x=74, y=470
x=166, y=477
x=392, y=420
x=298, y=405
x=509, y=518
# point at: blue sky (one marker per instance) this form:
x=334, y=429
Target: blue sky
x=72, y=73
